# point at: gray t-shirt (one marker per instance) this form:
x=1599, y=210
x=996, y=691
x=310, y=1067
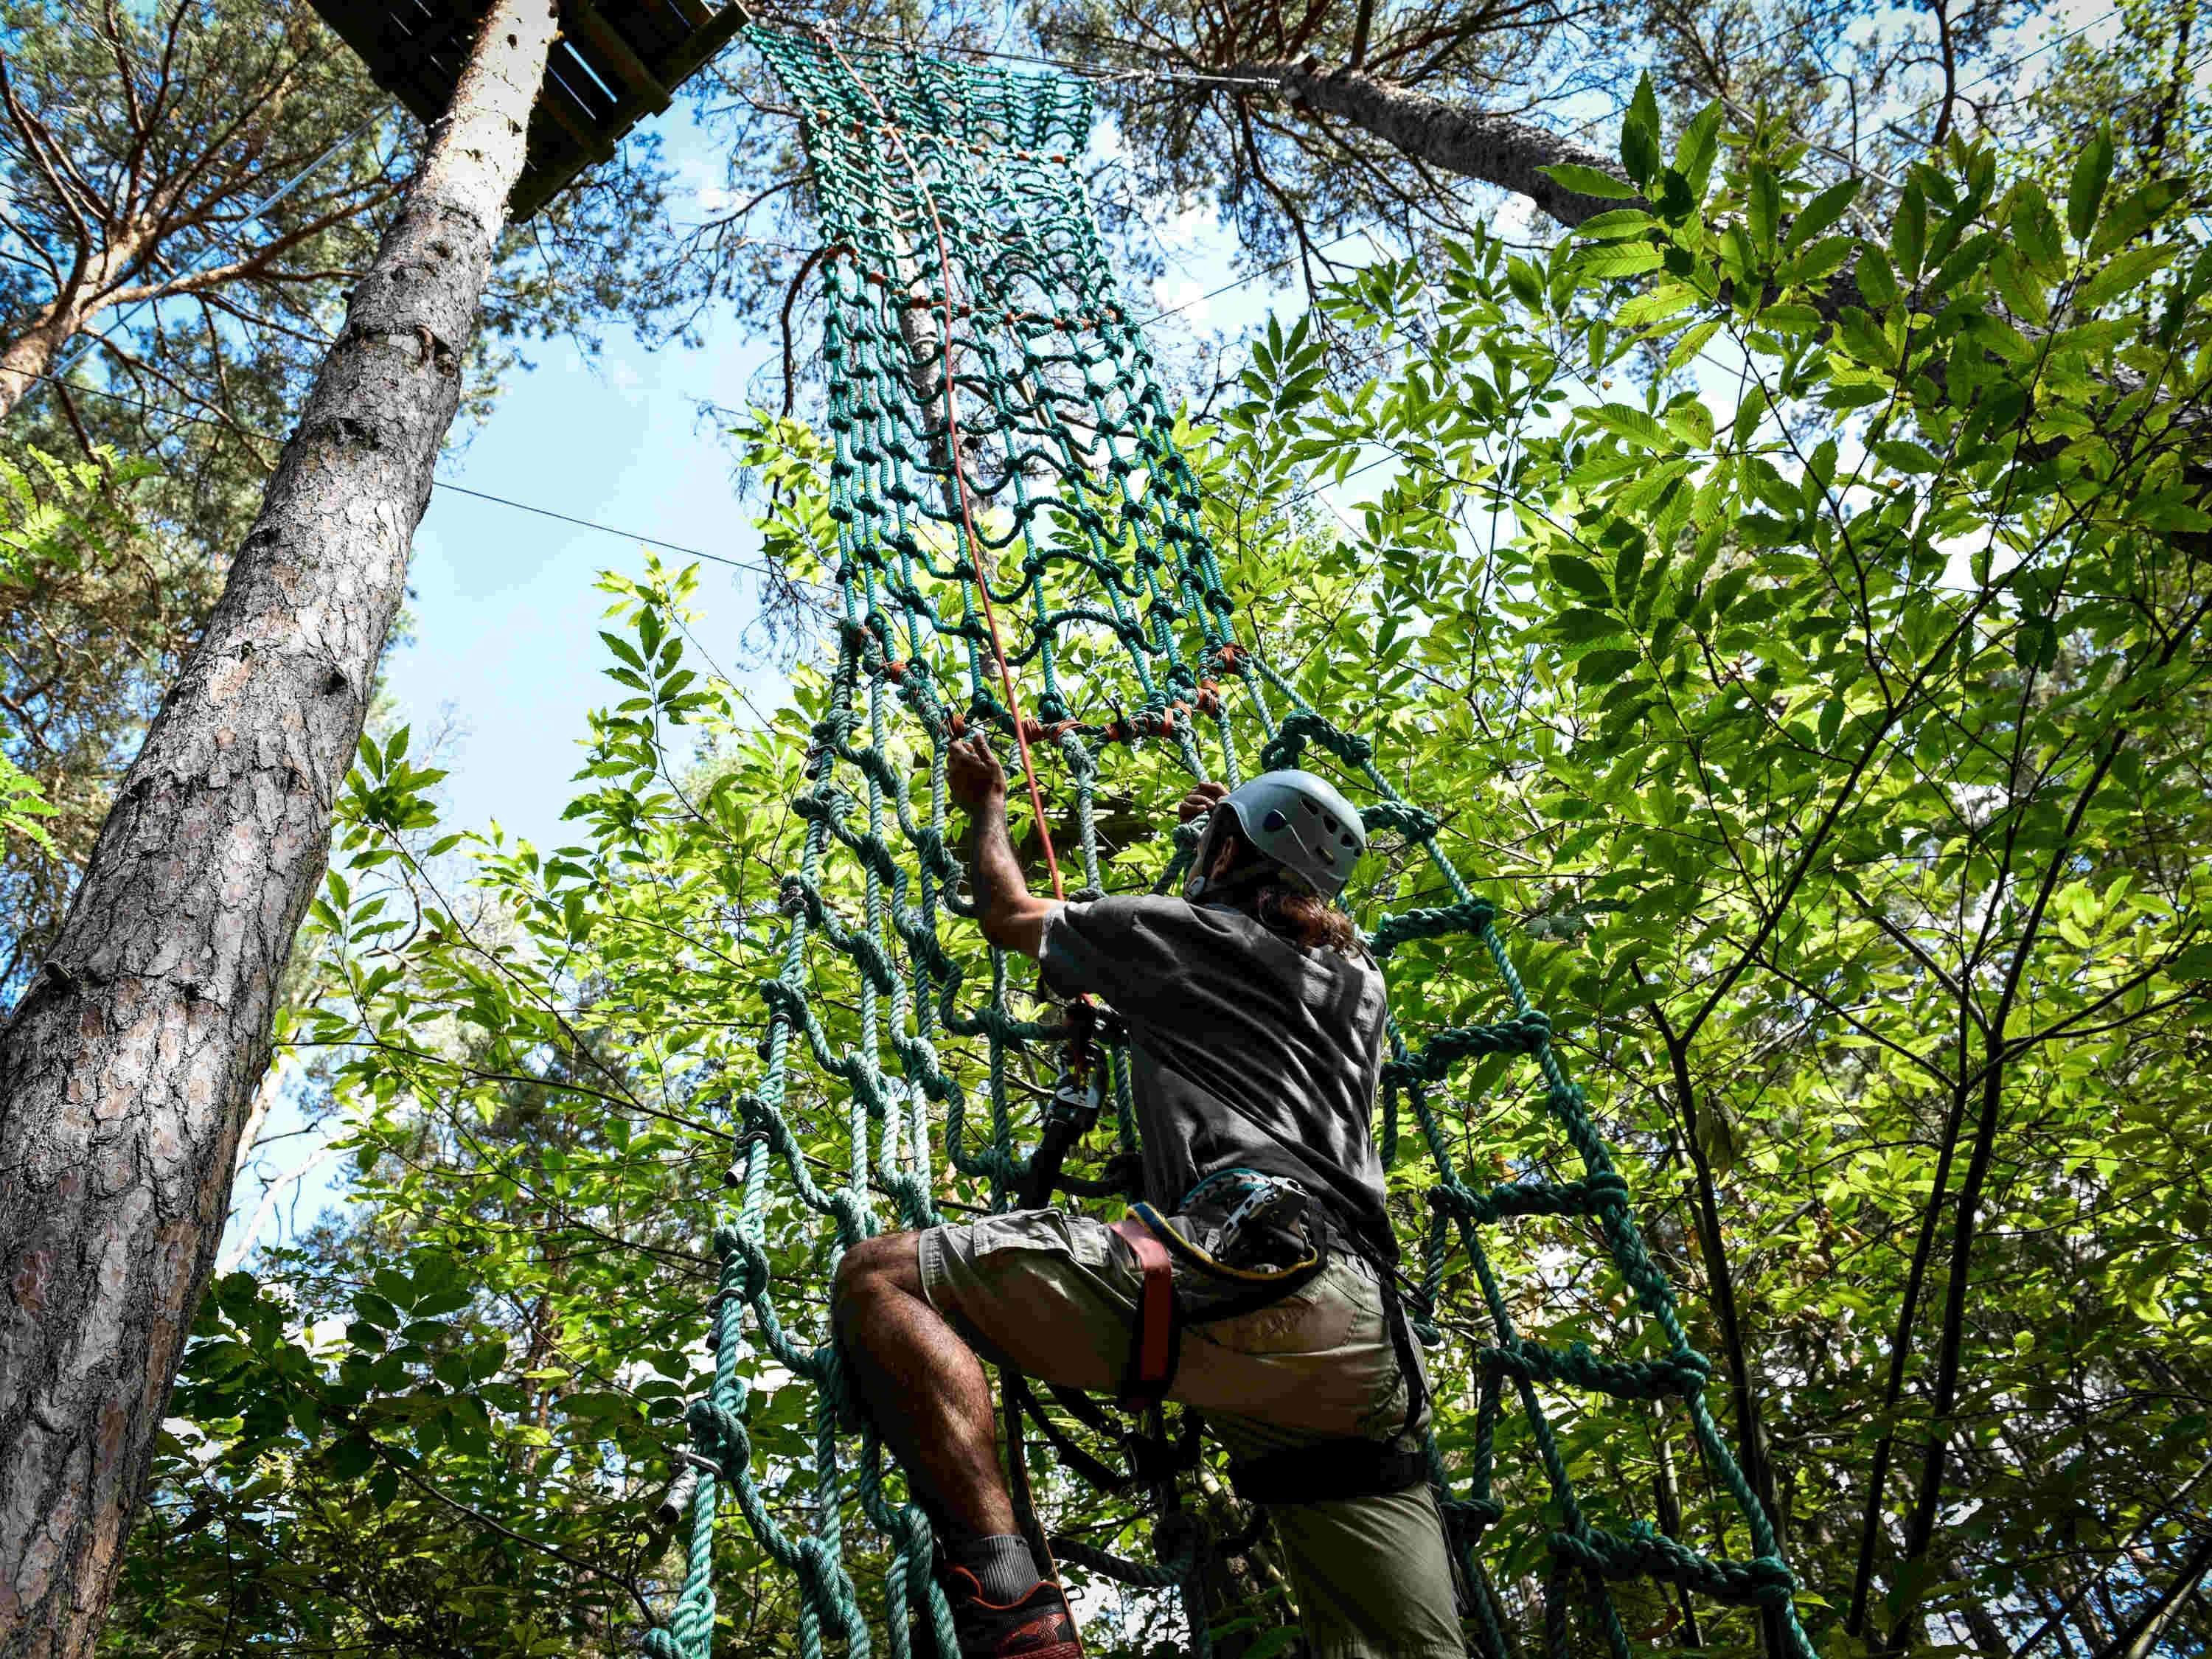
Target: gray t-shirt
x=1247, y=1050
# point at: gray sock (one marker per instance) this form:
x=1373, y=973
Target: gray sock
x=1003, y=1568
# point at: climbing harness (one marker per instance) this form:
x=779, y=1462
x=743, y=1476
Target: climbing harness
x=1270, y=1212
x=1027, y=514
x=1156, y=1341
x=1264, y=1213
x=1155, y=1244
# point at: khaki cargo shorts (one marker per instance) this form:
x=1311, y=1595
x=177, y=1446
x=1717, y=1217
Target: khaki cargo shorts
x=1054, y=1294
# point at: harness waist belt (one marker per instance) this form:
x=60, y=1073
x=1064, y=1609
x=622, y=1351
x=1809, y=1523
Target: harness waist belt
x=1329, y=1470
x=1156, y=1340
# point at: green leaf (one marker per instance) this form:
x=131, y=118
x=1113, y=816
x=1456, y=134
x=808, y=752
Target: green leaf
x=1616, y=222
x=1691, y=343
x=1749, y=412
x=1640, y=133
x=2034, y=227
x=2134, y=214
x=1908, y=236
x=1526, y=283
x=1862, y=337
x=1572, y=571
x=2085, y=191
x=1767, y=485
x=1603, y=666
x=1618, y=259
x=1580, y=627
x=1697, y=149
x=1877, y=282
x=376, y=1311
x=1791, y=319
x=1905, y=455
x=351, y=1457
x=1763, y=207
x=1962, y=264
x=1630, y=423
x=1627, y=565
x=1588, y=181
x=1692, y=423
x=2018, y=286
x=1821, y=259
x=2123, y=275
x=1819, y=214
x=1655, y=307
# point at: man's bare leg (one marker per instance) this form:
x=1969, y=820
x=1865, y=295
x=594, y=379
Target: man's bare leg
x=925, y=1390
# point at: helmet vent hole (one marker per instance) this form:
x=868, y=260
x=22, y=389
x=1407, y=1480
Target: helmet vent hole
x=1347, y=840
x=1274, y=821
x=1309, y=806
x=1329, y=823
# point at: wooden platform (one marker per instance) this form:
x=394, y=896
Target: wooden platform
x=616, y=62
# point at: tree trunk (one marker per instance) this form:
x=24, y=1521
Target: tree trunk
x=1667, y=1497
x=30, y=355
x=1498, y=149
x=1751, y=1448
x=1989, y=1637
x=126, y=1070
x=2140, y=1639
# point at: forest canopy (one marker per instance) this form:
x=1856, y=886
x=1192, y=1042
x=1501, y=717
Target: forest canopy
x=1786, y=579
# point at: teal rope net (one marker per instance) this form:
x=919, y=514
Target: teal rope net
x=1041, y=495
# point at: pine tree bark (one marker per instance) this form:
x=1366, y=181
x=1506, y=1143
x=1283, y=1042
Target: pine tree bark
x=127, y=1068
x=1497, y=149
x=29, y=358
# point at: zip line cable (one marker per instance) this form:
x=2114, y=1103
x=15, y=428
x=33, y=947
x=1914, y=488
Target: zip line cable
x=756, y=566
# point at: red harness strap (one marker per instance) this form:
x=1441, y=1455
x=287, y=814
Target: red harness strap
x=1157, y=1344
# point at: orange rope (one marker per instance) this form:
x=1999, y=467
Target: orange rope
x=960, y=478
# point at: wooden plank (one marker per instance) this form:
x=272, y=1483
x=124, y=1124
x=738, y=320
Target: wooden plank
x=452, y=30
x=612, y=70
x=368, y=29
x=569, y=76
x=424, y=49
x=605, y=39
x=653, y=31
x=557, y=101
x=707, y=42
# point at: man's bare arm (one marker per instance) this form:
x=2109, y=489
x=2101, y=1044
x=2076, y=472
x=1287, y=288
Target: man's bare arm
x=1010, y=916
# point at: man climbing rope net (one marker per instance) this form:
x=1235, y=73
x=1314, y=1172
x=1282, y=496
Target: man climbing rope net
x=1256, y=1285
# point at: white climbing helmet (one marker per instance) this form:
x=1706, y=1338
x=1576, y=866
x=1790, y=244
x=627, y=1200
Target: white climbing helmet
x=1291, y=818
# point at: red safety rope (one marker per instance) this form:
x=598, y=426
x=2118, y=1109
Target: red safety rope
x=960, y=478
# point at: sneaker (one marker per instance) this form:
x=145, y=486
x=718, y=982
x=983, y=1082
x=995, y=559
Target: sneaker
x=1038, y=1627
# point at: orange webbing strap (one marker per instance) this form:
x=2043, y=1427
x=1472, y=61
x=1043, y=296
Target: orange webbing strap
x=1157, y=1337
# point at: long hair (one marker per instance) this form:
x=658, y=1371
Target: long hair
x=1286, y=910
